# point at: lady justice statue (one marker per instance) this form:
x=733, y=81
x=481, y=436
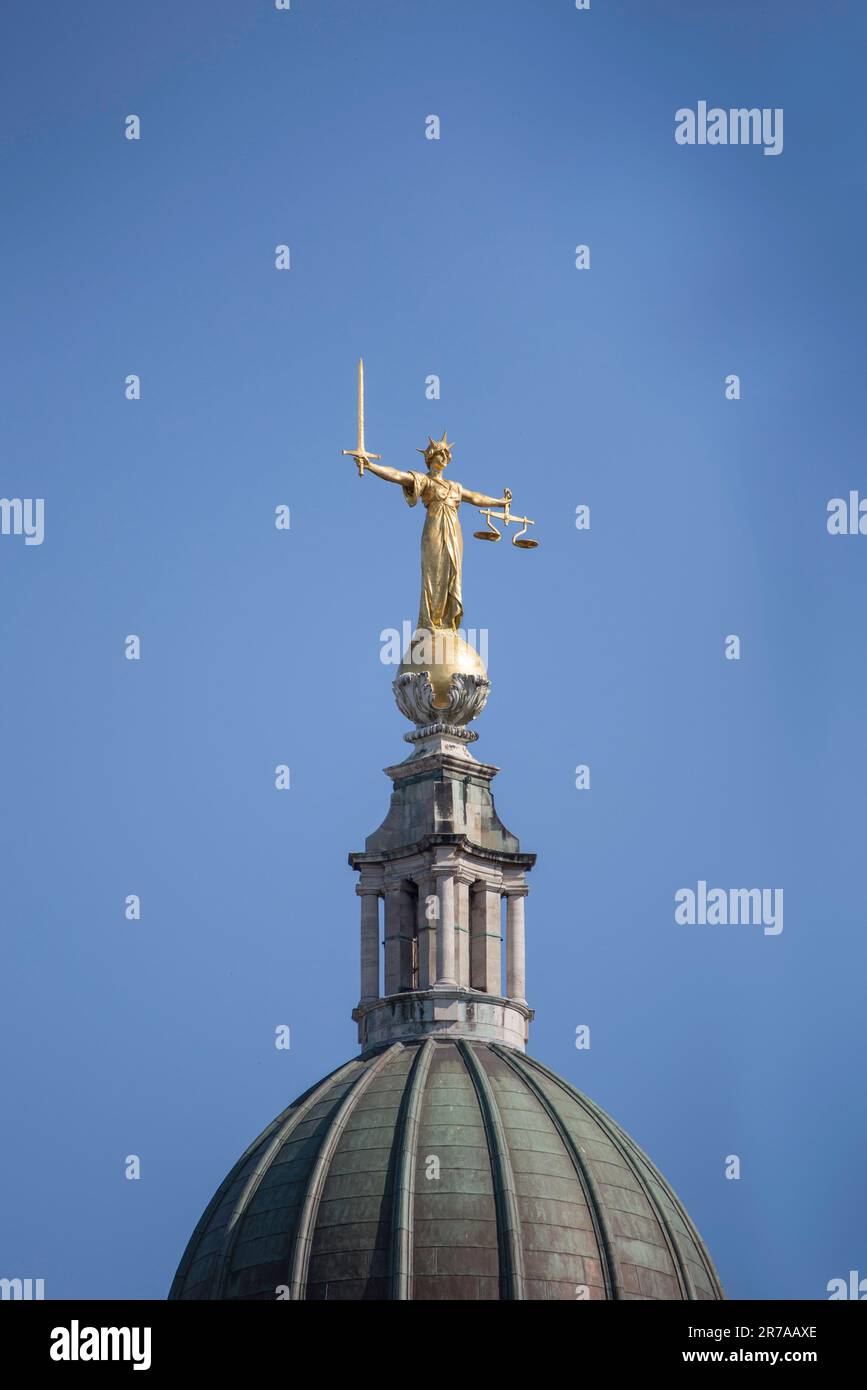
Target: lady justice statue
x=441, y=675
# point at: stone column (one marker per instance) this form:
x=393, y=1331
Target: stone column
x=369, y=941
x=392, y=937
x=427, y=932
x=486, y=939
x=463, y=879
x=445, y=882
x=515, y=976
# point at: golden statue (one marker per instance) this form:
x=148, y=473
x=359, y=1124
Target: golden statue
x=442, y=545
x=441, y=606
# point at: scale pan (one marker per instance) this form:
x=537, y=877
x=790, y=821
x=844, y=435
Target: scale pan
x=525, y=545
x=489, y=536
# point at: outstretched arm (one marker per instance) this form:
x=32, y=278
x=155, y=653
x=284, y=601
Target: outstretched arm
x=478, y=499
x=391, y=475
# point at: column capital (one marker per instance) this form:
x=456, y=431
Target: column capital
x=363, y=889
x=463, y=874
x=443, y=869
x=515, y=890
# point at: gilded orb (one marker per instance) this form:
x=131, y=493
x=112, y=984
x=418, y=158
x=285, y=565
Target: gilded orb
x=442, y=653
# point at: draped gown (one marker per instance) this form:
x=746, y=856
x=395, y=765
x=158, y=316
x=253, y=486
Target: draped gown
x=442, y=548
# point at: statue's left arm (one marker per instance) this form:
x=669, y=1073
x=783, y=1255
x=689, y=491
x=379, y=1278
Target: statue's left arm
x=479, y=499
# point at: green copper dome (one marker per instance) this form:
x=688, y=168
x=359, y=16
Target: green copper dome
x=445, y=1169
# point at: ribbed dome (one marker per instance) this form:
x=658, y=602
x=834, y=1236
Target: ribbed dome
x=445, y=1170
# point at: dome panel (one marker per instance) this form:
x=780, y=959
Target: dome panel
x=454, y=1215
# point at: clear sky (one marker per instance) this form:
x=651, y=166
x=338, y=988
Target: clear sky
x=605, y=387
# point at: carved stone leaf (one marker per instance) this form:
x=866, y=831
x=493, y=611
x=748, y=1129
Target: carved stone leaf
x=468, y=693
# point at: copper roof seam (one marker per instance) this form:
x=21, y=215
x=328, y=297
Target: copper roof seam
x=700, y=1246
x=614, y=1134
x=403, y=1195
x=508, y=1219
x=304, y=1230
x=251, y=1187
x=678, y=1206
x=604, y=1235
x=627, y=1145
x=192, y=1244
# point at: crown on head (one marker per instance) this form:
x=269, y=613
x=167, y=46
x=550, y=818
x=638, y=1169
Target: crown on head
x=437, y=446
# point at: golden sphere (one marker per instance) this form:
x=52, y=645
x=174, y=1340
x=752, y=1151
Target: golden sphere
x=441, y=652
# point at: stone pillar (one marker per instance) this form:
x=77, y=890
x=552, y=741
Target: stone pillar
x=463, y=879
x=427, y=932
x=486, y=939
x=392, y=937
x=369, y=941
x=516, y=983
x=446, y=925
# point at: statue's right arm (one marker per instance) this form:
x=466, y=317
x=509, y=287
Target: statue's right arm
x=391, y=475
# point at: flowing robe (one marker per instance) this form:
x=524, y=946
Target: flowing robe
x=442, y=548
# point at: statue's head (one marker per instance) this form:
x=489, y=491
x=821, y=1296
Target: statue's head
x=437, y=453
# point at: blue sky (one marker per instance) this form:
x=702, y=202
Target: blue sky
x=603, y=387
